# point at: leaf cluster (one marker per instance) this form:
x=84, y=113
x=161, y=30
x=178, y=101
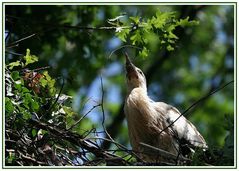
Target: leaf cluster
x=30, y=95
x=41, y=126
x=162, y=26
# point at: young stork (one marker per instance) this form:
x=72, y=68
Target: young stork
x=148, y=119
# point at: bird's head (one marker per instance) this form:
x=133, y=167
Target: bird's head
x=134, y=76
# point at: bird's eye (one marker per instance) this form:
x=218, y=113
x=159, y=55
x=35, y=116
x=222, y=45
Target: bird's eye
x=140, y=72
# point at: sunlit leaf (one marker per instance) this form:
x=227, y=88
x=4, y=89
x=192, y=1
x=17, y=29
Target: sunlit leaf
x=14, y=64
x=170, y=48
x=144, y=53
x=136, y=38
x=135, y=19
x=122, y=35
x=34, y=132
x=30, y=58
x=185, y=22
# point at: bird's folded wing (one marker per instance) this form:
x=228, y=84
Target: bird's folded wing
x=183, y=128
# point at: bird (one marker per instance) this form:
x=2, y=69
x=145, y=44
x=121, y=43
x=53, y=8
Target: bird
x=156, y=125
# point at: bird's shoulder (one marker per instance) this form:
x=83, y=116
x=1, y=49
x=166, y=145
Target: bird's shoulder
x=182, y=127
x=165, y=108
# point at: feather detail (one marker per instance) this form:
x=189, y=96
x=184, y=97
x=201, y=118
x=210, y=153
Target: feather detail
x=183, y=128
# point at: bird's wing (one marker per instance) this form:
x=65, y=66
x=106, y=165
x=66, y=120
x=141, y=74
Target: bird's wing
x=183, y=128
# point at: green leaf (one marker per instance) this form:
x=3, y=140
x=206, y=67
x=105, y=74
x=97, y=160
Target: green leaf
x=122, y=35
x=11, y=157
x=172, y=36
x=135, y=19
x=34, y=132
x=9, y=107
x=30, y=58
x=43, y=82
x=25, y=104
x=26, y=115
x=25, y=90
x=34, y=105
x=170, y=48
x=14, y=64
x=148, y=26
x=136, y=38
x=171, y=28
x=171, y=41
x=47, y=76
x=28, y=97
x=185, y=22
x=69, y=111
x=50, y=82
x=161, y=19
x=44, y=131
x=144, y=53
x=15, y=75
x=18, y=86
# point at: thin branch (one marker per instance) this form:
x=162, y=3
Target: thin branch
x=77, y=122
x=103, y=112
x=74, y=27
x=114, y=142
x=120, y=146
x=164, y=153
x=16, y=43
x=121, y=47
x=13, y=53
x=41, y=68
x=195, y=103
x=12, y=46
x=20, y=40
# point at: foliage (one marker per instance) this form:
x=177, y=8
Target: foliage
x=162, y=26
x=74, y=43
x=40, y=127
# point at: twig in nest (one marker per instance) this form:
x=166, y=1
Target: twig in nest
x=114, y=142
x=164, y=153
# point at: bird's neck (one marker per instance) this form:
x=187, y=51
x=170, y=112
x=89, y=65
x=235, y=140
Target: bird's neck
x=138, y=92
x=141, y=88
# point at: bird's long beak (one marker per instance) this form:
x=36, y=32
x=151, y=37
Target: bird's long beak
x=130, y=68
x=128, y=63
